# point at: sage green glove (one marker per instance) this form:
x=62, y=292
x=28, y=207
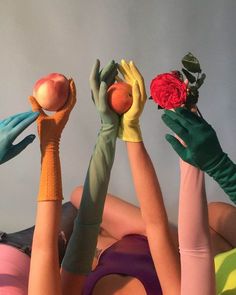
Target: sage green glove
x=82, y=245
x=129, y=129
x=203, y=149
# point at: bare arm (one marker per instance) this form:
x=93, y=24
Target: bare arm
x=147, y=188
x=164, y=253
x=44, y=269
x=222, y=219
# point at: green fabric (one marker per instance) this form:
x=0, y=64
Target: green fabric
x=225, y=174
x=82, y=245
x=10, y=128
x=225, y=268
x=202, y=149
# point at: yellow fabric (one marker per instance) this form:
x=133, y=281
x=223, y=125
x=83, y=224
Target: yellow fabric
x=49, y=130
x=129, y=129
x=225, y=268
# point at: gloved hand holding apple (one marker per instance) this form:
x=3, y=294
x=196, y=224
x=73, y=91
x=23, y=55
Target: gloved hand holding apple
x=52, y=91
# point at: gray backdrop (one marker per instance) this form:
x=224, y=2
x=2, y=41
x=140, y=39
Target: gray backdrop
x=40, y=37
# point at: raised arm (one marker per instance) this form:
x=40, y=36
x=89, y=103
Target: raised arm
x=147, y=187
x=197, y=264
x=44, y=269
x=203, y=148
x=79, y=255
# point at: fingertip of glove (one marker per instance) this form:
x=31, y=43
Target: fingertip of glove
x=35, y=114
x=168, y=137
x=31, y=137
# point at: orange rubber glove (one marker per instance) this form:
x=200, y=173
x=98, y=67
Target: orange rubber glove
x=49, y=130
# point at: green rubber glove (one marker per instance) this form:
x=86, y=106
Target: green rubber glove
x=82, y=245
x=10, y=128
x=203, y=149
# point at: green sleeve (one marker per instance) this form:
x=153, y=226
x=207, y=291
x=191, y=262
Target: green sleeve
x=225, y=174
x=82, y=244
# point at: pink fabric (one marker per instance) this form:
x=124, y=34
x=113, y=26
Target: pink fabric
x=14, y=271
x=197, y=268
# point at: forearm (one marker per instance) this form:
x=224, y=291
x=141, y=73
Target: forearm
x=146, y=185
x=120, y=217
x=225, y=174
x=44, y=268
x=155, y=218
x=50, y=187
x=197, y=268
x=49, y=201
x=193, y=215
x=97, y=178
x=82, y=244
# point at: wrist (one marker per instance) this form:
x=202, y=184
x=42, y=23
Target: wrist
x=218, y=165
x=224, y=172
x=214, y=163
x=109, y=128
x=50, y=188
x=130, y=132
x=50, y=147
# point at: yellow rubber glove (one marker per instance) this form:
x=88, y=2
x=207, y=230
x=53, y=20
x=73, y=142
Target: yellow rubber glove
x=129, y=129
x=49, y=131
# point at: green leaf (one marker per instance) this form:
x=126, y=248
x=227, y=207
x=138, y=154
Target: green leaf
x=178, y=74
x=191, y=63
x=191, y=100
x=192, y=97
x=200, y=81
x=189, y=76
x=193, y=91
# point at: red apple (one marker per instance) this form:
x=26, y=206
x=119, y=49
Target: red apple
x=51, y=91
x=120, y=97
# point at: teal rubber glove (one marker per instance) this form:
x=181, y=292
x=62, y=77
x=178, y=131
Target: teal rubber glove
x=10, y=128
x=82, y=245
x=203, y=149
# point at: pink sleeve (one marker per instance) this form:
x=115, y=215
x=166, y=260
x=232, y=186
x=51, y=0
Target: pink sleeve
x=14, y=271
x=197, y=265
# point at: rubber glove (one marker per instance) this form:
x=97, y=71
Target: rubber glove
x=82, y=245
x=129, y=129
x=203, y=148
x=10, y=128
x=49, y=131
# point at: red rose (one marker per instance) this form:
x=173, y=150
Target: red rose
x=168, y=91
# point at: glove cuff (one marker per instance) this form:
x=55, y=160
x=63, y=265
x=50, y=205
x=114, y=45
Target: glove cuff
x=50, y=188
x=130, y=131
x=224, y=172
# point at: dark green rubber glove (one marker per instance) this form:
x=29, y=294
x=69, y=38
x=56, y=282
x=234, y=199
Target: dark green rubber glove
x=82, y=245
x=202, y=149
x=10, y=128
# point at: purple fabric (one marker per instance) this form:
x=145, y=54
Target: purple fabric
x=130, y=256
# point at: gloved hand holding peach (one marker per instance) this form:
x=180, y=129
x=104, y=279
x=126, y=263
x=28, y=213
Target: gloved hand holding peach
x=120, y=97
x=52, y=91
